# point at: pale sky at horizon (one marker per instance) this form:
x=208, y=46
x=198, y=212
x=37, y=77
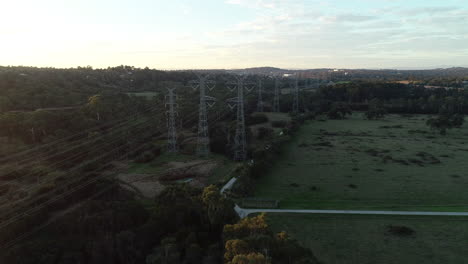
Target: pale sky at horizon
x=183, y=34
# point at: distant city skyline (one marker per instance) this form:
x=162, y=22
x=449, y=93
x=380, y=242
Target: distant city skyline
x=234, y=34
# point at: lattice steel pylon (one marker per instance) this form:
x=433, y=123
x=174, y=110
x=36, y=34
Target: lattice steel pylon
x=276, y=98
x=203, y=138
x=296, y=96
x=260, y=97
x=171, y=121
x=240, y=141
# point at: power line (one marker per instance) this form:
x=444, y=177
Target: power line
x=75, y=169
x=57, y=141
x=97, y=146
x=93, y=142
x=38, y=207
x=71, y=183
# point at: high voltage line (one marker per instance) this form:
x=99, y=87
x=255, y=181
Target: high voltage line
x=12, y=220
x=81, y=144
x=85, y=132
x=78, y=180
x=109, y=143
x=77, y=167
x=240, y=138
x=240, y=151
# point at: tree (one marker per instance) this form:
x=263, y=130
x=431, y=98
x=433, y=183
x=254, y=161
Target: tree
x=443, y=122
x=219, y=209
x=376, y=109
x=246, y=227
x=235, y=247
x=167, y=253
x=251, y=258
x=339, y=111
x=11, y=125
x=252, y=235
x=448, y=117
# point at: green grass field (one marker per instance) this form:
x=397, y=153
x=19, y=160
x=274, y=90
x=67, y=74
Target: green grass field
x=396, y=163
x=354, y=239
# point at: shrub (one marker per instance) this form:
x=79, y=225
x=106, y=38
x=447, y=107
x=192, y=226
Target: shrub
x=46, y=188
x=244, y=185
x=156, y=151
x=256, y=119
x=339, y=110
x=189, y=148
x=400, y=230
x=443, y=122
x=4, y=189
x=279, y=124
x=264, y=132
x=146, y=157
x=376, y=109
x=11, y=172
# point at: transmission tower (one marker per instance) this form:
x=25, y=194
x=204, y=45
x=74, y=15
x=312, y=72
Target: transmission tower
x=240, y=143
x=276, y=99
x=203, y=139
x=171, y=121
x=296, y=96
x=260, y=98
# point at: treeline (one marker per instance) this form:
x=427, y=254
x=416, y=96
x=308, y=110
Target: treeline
x=45, y=125
x=397, y=98
x=30, y=88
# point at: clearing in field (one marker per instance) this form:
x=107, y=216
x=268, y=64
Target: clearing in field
x=150, y=178
x=356, y=239
x=395, y=164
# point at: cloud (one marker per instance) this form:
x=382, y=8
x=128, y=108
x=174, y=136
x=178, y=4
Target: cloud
x=254, y=3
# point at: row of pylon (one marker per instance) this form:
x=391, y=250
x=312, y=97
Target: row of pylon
x=240, y=85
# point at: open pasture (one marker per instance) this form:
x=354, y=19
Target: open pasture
x=395, y=163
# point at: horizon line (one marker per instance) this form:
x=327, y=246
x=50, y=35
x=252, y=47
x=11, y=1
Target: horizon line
x=236, y=69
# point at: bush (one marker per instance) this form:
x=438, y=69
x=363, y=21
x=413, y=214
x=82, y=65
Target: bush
x=256, y=119
x=46, y=188
x=156, y=151
x=339, y=111
x=11, y=172
x=4, y=189
x=244, y=185
x=264, y=132
x=146, y=157
x=400, y=230
x=189, y=148
x=279, y=124
x=376, y=109
x=444, y=121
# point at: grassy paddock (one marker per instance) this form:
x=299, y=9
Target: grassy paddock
x=396, y=163
x=355, y=239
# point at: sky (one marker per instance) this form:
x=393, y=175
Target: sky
x=226, y=34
